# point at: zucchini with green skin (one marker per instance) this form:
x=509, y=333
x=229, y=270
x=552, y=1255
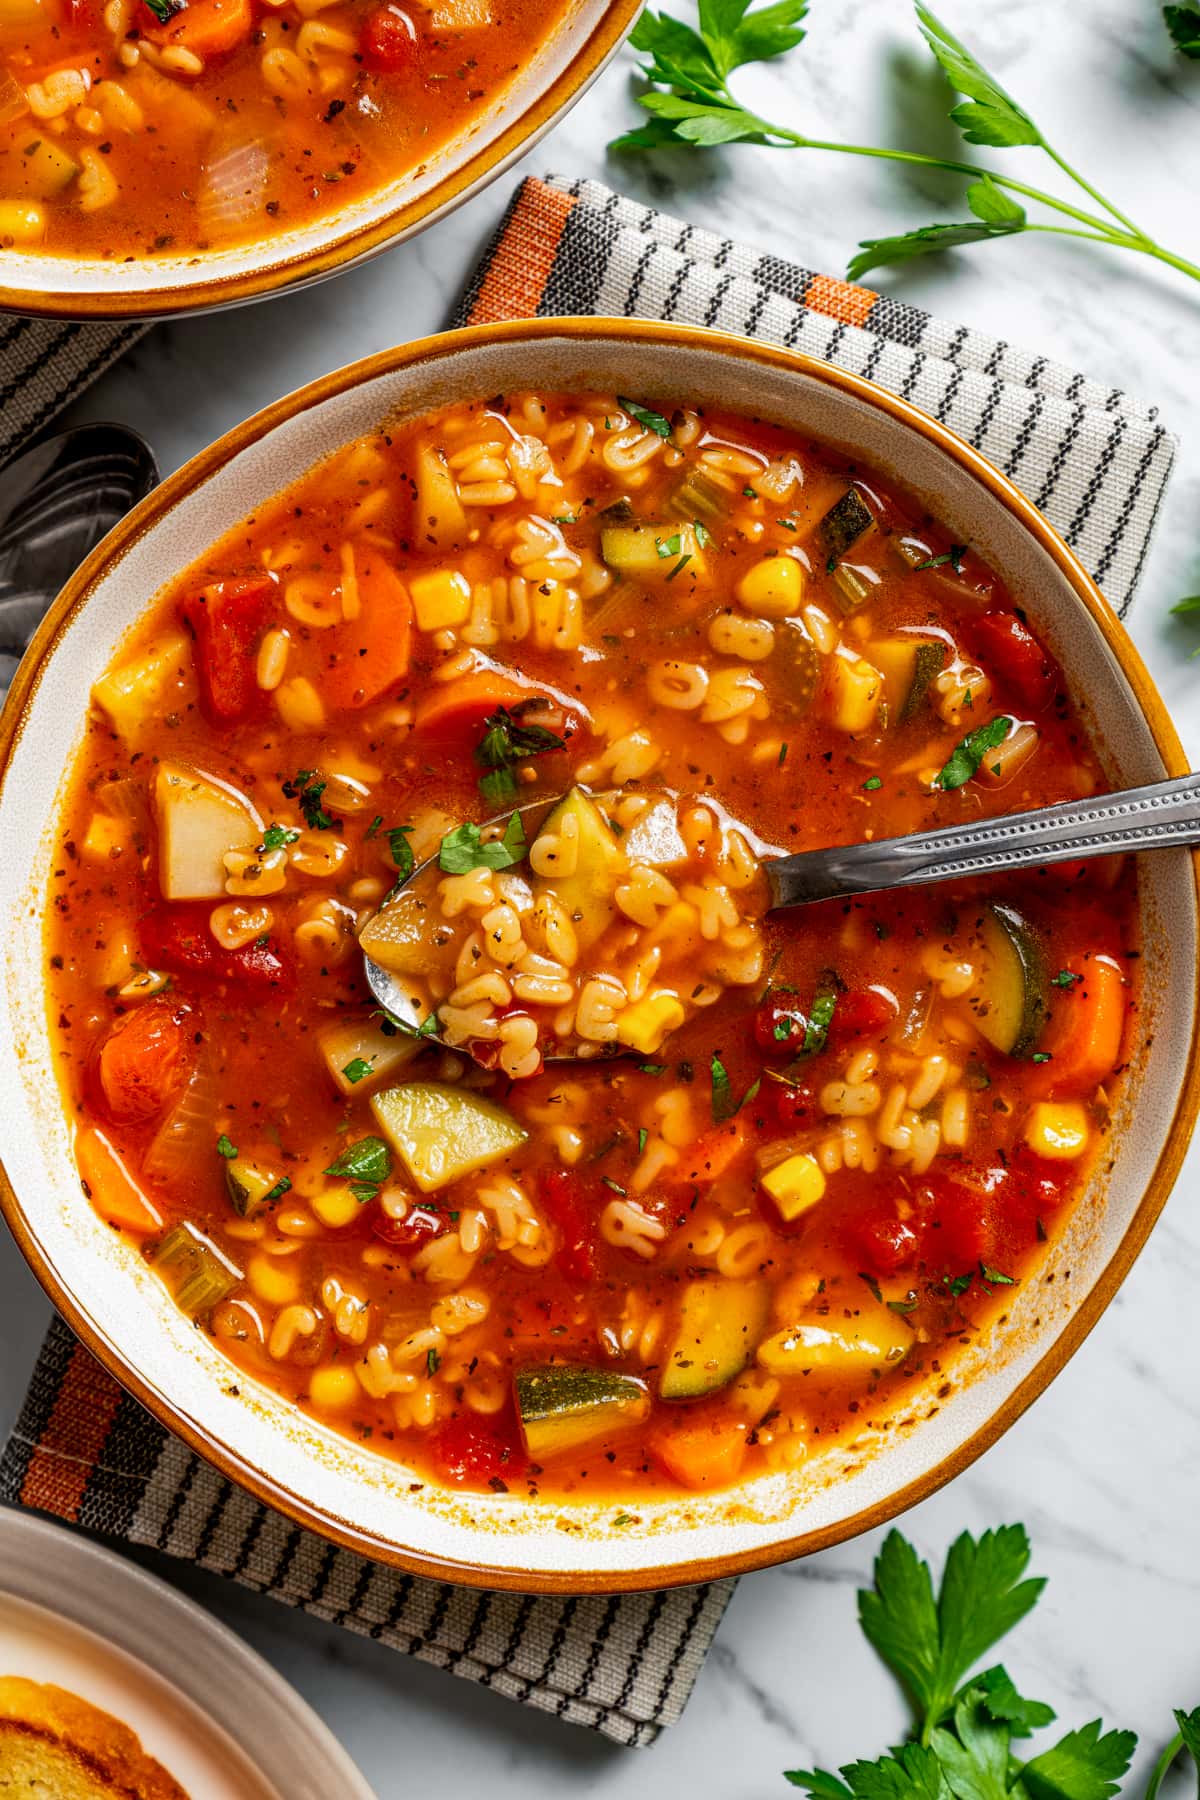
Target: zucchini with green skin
x=587, y=892
x=721, y=1322
x=563, y=1405
x=930, y=660
x=844, y=524
x=441, y=1133
x=909, y=667
x=251, y=1187
x=1010, y=1000
x=651, y=551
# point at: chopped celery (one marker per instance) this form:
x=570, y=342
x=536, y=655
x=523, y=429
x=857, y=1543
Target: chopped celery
x=698, y=496
x=197, y=1273
x=853, y=588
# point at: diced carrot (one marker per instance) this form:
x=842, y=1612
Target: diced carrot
x=712, y=1155
x=142, y=1063
x=208, y=27
x=457, y=709
x=114, y=1193
x=1087, y=1022
x=369, y=653
x=704, y=1450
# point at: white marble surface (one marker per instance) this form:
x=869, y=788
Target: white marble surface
x=1105, y=1470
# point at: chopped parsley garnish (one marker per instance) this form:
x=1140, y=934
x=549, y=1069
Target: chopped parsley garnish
x=432, y=1360
x=873, y=1285
x=358, y=1068
x=1041, y=1056
x=564, y=518
x=820, y=1017
x=966, y=756
x=953, y=555
x=653, y=421
x=788, y=524
x=307, y=788
x=724, y=1105
x=506, y=742
x=783, y=750
x=614, y=1185
x=680, y=566
x=872, y=782
x=750, y=493
x=643, y=1134
x=400, y=851
x=165, y=10
x=278, y=837
x=957, y=1284
x=282, y=1186
x=907, y=1305
x=392, y=1026
x=1064, y=979
x=652, y=1068
x=365, y=1165
x=225, y=1148
x=463, y=848
x=996, y=1276
x=702, y=534
x=624, y=1519
x=668, y=546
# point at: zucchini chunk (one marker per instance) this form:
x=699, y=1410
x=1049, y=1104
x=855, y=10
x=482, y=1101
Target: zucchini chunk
x=563, y=1405
x=845, y=523
x=719, y=1328
x=587, y=892
x=873, y=1339
x=400, y=938
x=441, y=1133
x=651, y=551
x=1010, y=1001
x=250, y=1186
x=359, y=1055
x=908, y=667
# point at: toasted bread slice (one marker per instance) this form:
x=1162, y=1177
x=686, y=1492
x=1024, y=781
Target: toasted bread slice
x=55, y=1746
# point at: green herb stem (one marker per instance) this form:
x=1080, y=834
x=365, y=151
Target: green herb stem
x=1077, y=178
x=1162, y=1766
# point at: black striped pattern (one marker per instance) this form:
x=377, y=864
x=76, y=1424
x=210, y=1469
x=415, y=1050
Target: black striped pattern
x=43, y=365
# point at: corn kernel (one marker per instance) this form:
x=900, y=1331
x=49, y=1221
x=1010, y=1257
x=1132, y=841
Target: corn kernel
x=795, y=1184
x=644, y=1025
x=1058, y=1130
x=21, y=223
x=855, y=690
x=773, y=588
x=275, y=1282
x=331, y=1389
x=441, y=600
x=335, y=1207
x=870, y=1342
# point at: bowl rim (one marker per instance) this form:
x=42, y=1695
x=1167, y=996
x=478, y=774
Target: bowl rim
x=343, y=1532
x=355, y=244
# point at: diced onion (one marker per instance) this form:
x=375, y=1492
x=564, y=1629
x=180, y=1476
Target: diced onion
x=12, y=98
x=183, y=1142
x=232, y=191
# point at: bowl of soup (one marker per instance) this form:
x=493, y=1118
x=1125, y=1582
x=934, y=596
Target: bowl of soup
x=644, y=1234
x=158, y=156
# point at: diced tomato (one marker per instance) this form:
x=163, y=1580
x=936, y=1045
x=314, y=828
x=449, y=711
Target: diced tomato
x=389, y=40
x=177, y=939
x=142, y=1063
x=880, y=1241
x=864, y=1012
x=794, y=1103
x=474, y=1452
x=227, y=620
x=960, y=1231
x=418, y=1226
x=564, y=1203
x=1035, y=1183
x=551, y=1321
x=779, y=1026
x=82, y=15
x=1007, y=648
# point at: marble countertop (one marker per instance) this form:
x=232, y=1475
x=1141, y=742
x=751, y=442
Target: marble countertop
x=1105, y=1469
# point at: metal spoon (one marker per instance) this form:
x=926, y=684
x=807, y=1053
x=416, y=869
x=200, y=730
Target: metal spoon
x=57, y=501
x=1164, y=815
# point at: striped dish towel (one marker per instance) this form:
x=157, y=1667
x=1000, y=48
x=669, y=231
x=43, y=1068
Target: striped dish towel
x=1094, y=460
x=44, y=364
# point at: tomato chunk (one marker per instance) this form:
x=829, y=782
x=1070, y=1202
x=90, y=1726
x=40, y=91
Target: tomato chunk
x=418, y=1226
x=1008, y=648
x=881, y=1241
x=864, y=1012
x=960, y=1231
x=141, y=1064
x=177, y=939
x=779, y=1026
x=389, y=40
x=563, y=1201
x=794, y=1104
x=475, y=1452
x=227, y=620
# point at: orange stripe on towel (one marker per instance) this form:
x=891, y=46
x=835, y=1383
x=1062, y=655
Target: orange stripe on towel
x=840, y=299
x=518, y=272
x=73, y=1440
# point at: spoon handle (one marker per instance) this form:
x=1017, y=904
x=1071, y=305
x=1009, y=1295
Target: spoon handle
x=1167, y=813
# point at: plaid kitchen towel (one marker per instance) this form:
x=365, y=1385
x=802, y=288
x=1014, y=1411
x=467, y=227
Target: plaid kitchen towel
x=84, y=1451
x=1093, y=459
x=45, y=363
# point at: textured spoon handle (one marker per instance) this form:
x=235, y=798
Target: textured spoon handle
x=1148, y=818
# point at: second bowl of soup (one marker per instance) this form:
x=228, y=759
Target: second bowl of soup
x=644, y=1232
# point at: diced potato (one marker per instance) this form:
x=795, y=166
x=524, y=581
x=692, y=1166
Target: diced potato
x=153, y=684
x=440, y=518
x=796, y=1184
x=105, y=837
x=199, y=821
x=855, y=691
x=1057, y=1129
x=461, y=15
x=357, y=1041
x=851, y=1347
x=773, y=588
x=441, y=599
x=646, y=1025
x=157, y=93
x=21, y=222
x=587, y=890
x=45, y=167
x=403, y=938
x=442, y=1133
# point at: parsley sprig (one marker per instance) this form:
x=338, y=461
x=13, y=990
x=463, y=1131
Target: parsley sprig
x=960, y=1746
x=507, y=741
x=691, y=104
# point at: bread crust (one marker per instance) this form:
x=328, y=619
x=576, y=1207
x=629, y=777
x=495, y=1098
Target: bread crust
x=106, y=1749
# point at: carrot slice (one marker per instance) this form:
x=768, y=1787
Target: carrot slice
x=458, y=709
x=369, y=653
x=703, y=1450
x=712, y=1155
x=1083, y=1037
x=114, y=1193
x=209, y=27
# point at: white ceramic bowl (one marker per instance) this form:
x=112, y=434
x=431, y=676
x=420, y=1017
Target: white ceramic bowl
x=544, y=87
x=339, y=1487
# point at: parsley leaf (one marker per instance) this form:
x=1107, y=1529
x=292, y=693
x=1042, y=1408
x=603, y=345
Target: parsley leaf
x=1189, y=1731
x=1192, y=603
x=307, y=788
x=820, y=1017
x=365, y=1165
x=225, y=1148
x=1082, y=1766
x=506, y=742
x=165, y=10
x=926, y=240
x=988, y=115
x=912, y=1773
x=975, y=1755
x=278, y=837
x=996, y=1276
x=970, y=751
x=463, y=848
x=723, y=1103
x=400, y=851
x=1064, y=979
x=357, y=1069
x=653, y=421
x=392, y=1026
x=1183, y=23
x=953, y=555
x=998, y=1694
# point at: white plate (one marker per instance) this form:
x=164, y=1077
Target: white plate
x=225, y=1724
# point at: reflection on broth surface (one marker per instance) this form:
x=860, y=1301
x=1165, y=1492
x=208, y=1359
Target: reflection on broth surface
x=810, y=1153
